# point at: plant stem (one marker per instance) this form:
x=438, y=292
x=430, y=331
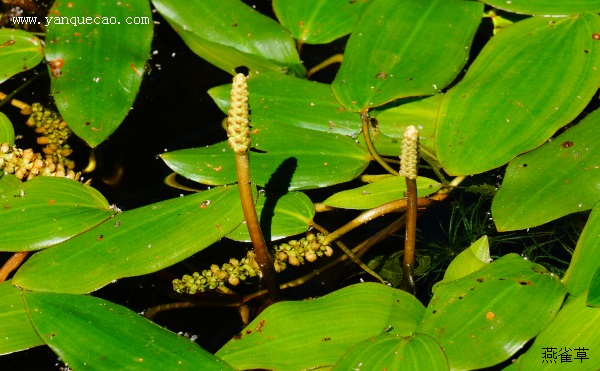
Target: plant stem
x=364, y=117
x=12, y=263
x=408, y=263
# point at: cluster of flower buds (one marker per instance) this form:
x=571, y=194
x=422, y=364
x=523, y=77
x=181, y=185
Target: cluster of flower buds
x=25, y=164
x=53, y=131
x=294, y=252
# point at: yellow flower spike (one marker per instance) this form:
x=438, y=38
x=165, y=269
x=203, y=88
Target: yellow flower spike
x=238, y=123
x=410, y=154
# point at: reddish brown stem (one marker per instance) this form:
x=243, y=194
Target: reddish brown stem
x=11, y=264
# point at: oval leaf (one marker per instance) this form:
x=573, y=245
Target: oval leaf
x=45, y=211
x=510, y=101
x=116, y=338
x=293, y=101
x=280, y=216
x=7, y=132
x=389, y=352
x=585, y=262
x=325, y=328
x=97, y=69
x=557, y=179
x=134, y=243
x=19, y=51
x=574, y=336
x=17, y=331
x=546, y=7
x=283, y=157
x=390, y=53
x=380, y=192
x=8, y=182
x=494, y=310
x=593, y=298
x=229, y=34
x=318, y=21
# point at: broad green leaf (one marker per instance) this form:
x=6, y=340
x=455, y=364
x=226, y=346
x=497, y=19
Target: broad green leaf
x=102, y=64
x=134, y=243
x=19, y=51
x=470, y=260
x=593, y=298
x=510, y=101
x=16, y=332
x=484, y=318
x=324, y=328
x=391, y=352
x=557, y=179
x=293, y=101
x=45, y=211
x=546, y=7
x=403, y=49
x=574, y=333
x=280, y=216
x=91, y=333
x=422, y=113
x=283, y=157
x=318, y=21
x=585, y=262
x=8, y=182
x=7, y=132
x=380, y=192
x=230, y=34
x=384, y=145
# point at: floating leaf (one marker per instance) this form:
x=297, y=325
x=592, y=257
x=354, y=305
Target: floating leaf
x=230, y=34
x=116, y=338
x=380, y=192
x=318, y=21
x=324, y=328
x=593, y=298
x=283, y=157
x=495, y=310
x=8, y=182
x=574, y=331
x=45, y=211
x=97, y=68
x=293, y=101
x=557, y=179
x=280, y=216
x=7, y=132
x=17, y=331
x=134, y=243
x=510, y=101
x=404, y=49
x=391, y=352
x=19, y=51
x=546, y=7
x=585, y=262
x=470, y=260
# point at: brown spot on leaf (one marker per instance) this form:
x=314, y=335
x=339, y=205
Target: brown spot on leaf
x=567, y=144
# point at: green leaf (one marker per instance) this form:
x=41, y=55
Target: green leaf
x=134, y=243
x=585, y=262
x=318, y=21
x=17, y=332
x=8, y=182
x=282, y=215
x=45, y=211
x=546, y=7
x=103, y=64
x=19, y=51
x=510, y=101
x=495, y=311
x=422, y=113
x=391, y=352
x=380, y=192
x=593, y=298
x=229, y=34
x=557, y=179
x=7, y=132
x=293, y=101
x=323, y=328
x=470, y=260
x=575, y=327
x=116, y=338
x=283, y=158
x=403, y=49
